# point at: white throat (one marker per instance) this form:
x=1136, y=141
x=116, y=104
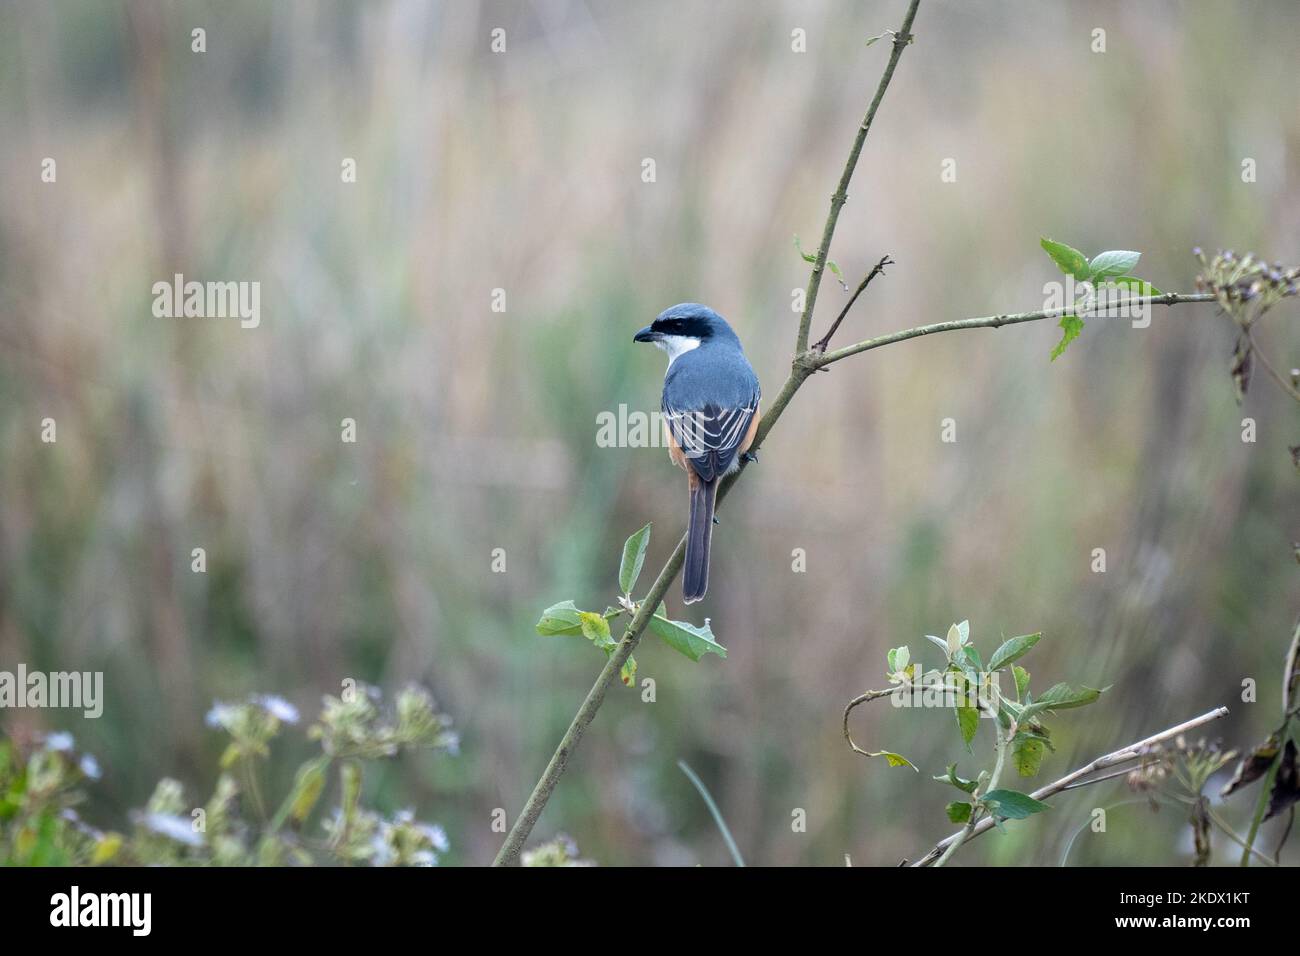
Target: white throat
x=677, y=345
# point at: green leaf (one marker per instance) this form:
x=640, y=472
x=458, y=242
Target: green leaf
x=958, y=635
x=968, y=721
x=1022, y=680
x=627, y=673
x=1116, y=262
x=958, y=812
x=1012, y=650
x=1136, y=285
x=565, y=619
x=596, y=629
x=939, y=642
x=1027, y=751
x=812, y=258
x=899, y=657
x=1070, y=260
x=686, y=638
x=307, y=788
x=894, y=760
x=897, y=760
x=807, y=256
x=560, y=618
x=958, y=781
x=1071, y=326
x=1065, y=696
x=1012, y=804
x=830, y=264
x=629, y=568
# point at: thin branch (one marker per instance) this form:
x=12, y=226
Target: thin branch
x=1123, y=755
x=514, y=843
x=995, y=322
x=1150, y=799
x=712, y=805
x=876, y=270
x=1268, y=367
x=1102, y=779
x=1004, y=741
x=862, y=699
x=901, y=39
x=1231, y=834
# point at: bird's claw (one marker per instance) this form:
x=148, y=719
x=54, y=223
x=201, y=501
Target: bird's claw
x=750, y=456
x=715, y=520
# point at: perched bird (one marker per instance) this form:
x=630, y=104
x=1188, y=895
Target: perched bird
x=710, y=408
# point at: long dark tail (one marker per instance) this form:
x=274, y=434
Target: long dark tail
x=699, y=533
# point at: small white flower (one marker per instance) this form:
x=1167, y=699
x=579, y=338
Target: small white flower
x=173, y=827
x=61, y=741
x=278, y=707
x=381, y=854
x=219, y=714
x=437, y=836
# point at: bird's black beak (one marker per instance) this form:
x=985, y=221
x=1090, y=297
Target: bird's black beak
x=645, y=335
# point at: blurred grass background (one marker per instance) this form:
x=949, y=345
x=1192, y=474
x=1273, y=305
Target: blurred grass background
x=476, y=429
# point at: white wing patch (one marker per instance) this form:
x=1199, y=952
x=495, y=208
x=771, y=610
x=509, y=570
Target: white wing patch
x=719, y=431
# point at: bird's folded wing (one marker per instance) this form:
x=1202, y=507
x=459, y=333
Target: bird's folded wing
x=710, y=436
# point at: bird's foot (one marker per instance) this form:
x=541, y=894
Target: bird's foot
x=750, y=456
x=715, y=520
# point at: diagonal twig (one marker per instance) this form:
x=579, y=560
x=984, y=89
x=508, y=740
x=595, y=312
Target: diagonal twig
x=877, y=269
x=994, y=322
x=901, y=39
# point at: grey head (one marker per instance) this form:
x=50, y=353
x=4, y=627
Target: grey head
x=685, y=327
